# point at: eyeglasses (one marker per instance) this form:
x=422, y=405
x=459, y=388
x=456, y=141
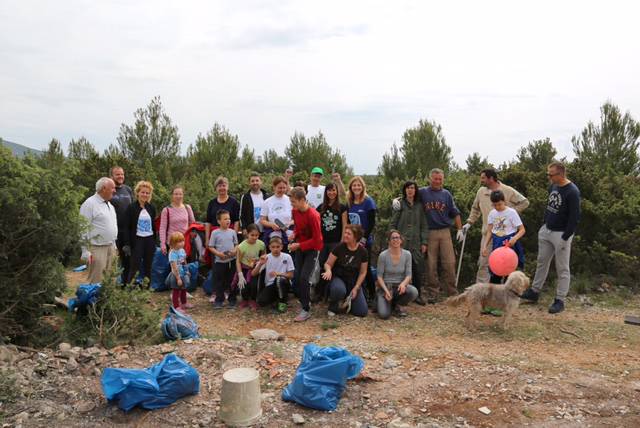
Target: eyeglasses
x=553, y=175
x=395, y=238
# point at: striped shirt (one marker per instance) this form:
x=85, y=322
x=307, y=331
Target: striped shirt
x=179, y=221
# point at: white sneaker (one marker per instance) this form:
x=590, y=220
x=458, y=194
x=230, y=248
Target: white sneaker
x=302, y=316
x=331, y=314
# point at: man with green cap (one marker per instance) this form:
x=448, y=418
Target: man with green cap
x=315, y=190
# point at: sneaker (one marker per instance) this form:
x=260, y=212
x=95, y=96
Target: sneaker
x=282, y=308
x=218, y=305
x=531, y=295
x=253, y=305
x=212, y=299
x=420, y=301
x=188, y=306
x=302, y=316
x=556, y=307
x=331, y=314
x=400, y=312
x=231, y=305
x=244, y=304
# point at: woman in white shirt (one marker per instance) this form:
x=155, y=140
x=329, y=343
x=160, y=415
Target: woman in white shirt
x=276, y=216
x=140, y=233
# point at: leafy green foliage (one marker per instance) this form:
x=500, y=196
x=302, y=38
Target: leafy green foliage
x=305, y=153
x=423, y=148
x=611, y=147
x=39, y=222
x=120, y=316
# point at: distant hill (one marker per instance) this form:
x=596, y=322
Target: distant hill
x=20, y=150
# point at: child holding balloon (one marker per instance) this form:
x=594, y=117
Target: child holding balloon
x=505, y=228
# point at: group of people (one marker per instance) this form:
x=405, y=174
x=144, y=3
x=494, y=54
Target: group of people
x=316, y=240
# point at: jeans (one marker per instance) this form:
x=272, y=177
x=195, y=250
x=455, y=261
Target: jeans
x=338, y=291
x=385, y=307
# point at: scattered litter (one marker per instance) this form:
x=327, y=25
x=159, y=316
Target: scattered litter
x=484, y=410
x=80, y=268
x=152, y=388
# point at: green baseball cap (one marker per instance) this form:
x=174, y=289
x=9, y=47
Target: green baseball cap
x=317, y=170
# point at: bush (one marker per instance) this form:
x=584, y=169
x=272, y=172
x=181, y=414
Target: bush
x=39, y=222
x=120, y=316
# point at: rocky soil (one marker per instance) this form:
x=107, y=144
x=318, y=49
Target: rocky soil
x=580, y=368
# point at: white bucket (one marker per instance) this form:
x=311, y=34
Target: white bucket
x=240, y=398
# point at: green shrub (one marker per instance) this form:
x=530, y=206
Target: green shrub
x=39, y=220
x=120, y=316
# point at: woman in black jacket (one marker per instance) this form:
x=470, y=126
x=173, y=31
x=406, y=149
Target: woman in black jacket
x=140, y=233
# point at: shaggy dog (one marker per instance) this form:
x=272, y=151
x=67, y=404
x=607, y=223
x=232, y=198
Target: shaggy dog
x=502, y=296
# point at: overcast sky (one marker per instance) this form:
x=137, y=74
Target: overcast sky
x=495, y=75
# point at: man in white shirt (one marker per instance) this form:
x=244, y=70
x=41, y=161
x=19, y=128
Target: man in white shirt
x=99, y=247
x=315, y=190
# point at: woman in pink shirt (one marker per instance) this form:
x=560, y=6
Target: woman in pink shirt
x=174, y=218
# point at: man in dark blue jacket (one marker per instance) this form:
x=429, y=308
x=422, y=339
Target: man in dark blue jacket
x=554, y=237
x=441, y=212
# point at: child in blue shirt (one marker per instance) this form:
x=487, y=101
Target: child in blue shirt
x=222, y=244
x=179, y=278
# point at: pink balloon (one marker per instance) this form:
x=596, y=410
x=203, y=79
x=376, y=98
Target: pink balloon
x=503, y=261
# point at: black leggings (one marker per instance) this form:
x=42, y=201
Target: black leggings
x=305, y=261
x=276, y=292
x=142, y=251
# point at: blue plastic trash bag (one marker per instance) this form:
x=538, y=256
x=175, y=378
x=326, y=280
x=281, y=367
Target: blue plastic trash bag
x=322, y=376
x=86, y=294
x=192, y=268
x=160, y=268
x=207, y=285
x=177, y=325
x=151, y=388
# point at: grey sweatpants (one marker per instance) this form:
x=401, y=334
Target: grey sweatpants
x=483, y=275
x=550, y=245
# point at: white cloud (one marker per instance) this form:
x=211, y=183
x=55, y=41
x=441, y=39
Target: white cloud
x=494, y=74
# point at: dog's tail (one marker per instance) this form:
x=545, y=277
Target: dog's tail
x=456, y=300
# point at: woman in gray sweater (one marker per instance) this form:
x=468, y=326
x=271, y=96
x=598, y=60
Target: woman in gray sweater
x=394, y=278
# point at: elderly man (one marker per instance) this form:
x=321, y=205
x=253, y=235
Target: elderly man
x=441, y=212
x=482, y=206
x=99, y=246
x=122, y=198
x=554, y=237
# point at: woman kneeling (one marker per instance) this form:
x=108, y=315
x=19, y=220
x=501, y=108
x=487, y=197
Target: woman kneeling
x=394, y=277
x=346, y=269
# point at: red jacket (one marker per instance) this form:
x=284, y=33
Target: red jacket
x=307, y=229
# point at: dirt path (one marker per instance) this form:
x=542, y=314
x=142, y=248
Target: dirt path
x=579, y=368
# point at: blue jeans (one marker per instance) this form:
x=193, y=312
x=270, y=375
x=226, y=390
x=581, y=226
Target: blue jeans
x=337, y=293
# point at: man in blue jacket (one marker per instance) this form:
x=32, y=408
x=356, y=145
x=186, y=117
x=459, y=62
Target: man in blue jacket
x=441, y=212
x=554, y=237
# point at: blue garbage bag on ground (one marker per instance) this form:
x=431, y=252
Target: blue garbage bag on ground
x=322, y=376
x=160, y=268
x=86, y=294
x=207, y=286
x=193, y=268
x=151, y=388
x=177, y=325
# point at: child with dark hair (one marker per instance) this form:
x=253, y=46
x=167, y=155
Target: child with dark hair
x=248, y=254
x=222, y=244
x=504, y=228
x=278, y=267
